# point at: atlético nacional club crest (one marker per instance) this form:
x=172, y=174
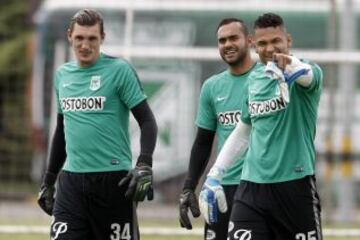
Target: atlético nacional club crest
x=95, y=83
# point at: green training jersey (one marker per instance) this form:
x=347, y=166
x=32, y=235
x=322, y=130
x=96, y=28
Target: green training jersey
x=281, y=144
x=219, y=110
x=95, y=102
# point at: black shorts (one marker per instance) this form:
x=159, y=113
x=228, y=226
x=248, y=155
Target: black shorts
x=91, y=206
x=279, y=211
x=219, y=230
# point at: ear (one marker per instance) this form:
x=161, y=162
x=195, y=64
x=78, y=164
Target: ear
x=252, y=43
x=250, y=40
x=68, y=33
x=102, y=37
x=289, y=39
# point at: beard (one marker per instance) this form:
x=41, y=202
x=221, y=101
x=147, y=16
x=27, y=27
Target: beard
x=238, y=60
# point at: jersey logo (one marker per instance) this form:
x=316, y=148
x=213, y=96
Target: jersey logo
x=266, y=107
x=243, y=234
x=210, y=234
x=95, y=82
x=59, y=228
x=65, y=85
x=229, y=118
x=219, y=99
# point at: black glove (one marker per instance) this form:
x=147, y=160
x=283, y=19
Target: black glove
x=46, y=198
x=140, y=183
x=188, y=200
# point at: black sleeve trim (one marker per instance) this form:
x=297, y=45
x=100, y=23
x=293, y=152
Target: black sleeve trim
x=199, y=157
x=147, y=123
x=57, y=152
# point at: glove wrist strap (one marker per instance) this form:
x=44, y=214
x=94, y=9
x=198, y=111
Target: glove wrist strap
x=216, y=173
x=144, y=160
x=189, y=185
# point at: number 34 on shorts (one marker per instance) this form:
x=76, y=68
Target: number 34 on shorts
x=120, y=233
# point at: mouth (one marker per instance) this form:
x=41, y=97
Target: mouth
x=230, y=53
x=268, y=58
x=84, y=54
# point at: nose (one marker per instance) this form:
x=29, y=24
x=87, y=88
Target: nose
x=85, y=44
x=270, y=48
x=227, y=43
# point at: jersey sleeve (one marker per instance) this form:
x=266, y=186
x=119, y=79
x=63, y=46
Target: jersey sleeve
x=129, y=88
x=56, y=84
x=206, y=115
x=245, y=114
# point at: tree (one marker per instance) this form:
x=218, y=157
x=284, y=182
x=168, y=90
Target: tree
x=15, y=32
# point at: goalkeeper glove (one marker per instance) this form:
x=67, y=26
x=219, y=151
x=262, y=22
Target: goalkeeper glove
x=46, y=194
x=46, y=198
x=188, y=200
x=274, y=72
x=212, y=197
x=299, y=71
x=139, y=182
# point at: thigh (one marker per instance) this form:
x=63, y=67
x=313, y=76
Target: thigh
x=111, y=215
x=296, y=214
x=69, y=215
x=219, y=230
x=248, y=220
x=248, y=223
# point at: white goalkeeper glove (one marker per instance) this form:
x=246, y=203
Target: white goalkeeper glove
x=212, y=197
x=274, y=72
x=299, y=71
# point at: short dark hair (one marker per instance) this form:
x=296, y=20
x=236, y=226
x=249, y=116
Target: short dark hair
x=226, y=21
x=87, y=17
x=268, y=20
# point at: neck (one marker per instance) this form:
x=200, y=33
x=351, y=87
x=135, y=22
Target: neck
x=242, y=67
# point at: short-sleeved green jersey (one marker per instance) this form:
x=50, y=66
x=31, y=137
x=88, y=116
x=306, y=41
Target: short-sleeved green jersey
x=219, y=110
x=281, y=144
x=95, y=102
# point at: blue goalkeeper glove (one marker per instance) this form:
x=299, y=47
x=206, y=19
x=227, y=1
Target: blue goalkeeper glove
x=212, y=197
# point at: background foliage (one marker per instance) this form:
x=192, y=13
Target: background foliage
x=15, y=49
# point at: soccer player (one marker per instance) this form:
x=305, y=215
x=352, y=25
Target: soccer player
x=277, y=196
x=97, y=190
x=218, y=113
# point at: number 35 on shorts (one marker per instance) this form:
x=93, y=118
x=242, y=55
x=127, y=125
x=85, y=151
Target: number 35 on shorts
x=120, y=233
x=306, y=236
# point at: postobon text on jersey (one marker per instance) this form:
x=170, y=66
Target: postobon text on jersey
x=82, y=103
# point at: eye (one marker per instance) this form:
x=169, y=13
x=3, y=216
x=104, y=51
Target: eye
x=276, y=40
x=234, y=38
x=261, y=44
x=79, y=38
x=222, y=40
x=93, y=38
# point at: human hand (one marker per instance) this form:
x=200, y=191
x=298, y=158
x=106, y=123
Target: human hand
x=212, y=199
x=46, y=198
x=188, y=200
x=281, y=60
x=139, y=182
